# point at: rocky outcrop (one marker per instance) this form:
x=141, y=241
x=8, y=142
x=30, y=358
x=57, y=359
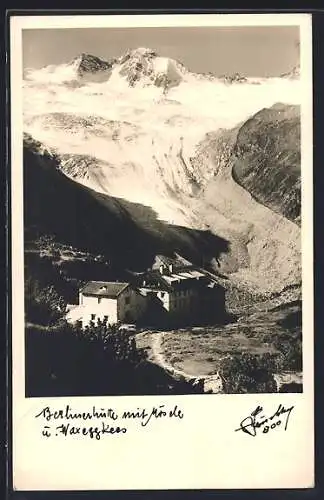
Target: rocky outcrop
x=289, y=382
x=144, y=66
x=250, y=180
x=87, y=63
x=211, y=384
x=266, y=160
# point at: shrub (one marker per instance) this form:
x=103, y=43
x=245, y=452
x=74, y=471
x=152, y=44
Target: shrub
x=248, y=373
x=290, y=346
x=67, y=361
x=43, y=305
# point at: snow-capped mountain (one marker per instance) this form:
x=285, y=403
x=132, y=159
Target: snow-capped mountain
x=137, y=67
x=143, y=66
x=142, y=128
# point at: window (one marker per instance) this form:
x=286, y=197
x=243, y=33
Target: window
x=99, y=300
x=127, y=300
x=162, y=295
x=93, y=317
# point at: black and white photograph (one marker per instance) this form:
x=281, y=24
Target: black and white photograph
x=161, y=248
x=162, y=210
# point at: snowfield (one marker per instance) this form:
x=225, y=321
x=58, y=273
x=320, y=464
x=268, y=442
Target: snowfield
x=140, y=125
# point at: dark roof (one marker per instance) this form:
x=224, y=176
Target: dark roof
x=177, y=261
x=153, y=279
x=156, y=281
x=110, y=289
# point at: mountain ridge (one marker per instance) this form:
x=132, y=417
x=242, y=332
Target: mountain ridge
x=140, y=65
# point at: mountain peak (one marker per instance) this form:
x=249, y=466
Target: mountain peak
x=87, y=63
x=144, y=51
x=143, y=65
x=140, y=52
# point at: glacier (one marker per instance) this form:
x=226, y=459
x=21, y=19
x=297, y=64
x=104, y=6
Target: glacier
x=135, y=127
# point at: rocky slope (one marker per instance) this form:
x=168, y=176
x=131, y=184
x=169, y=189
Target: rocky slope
x=129, y=235
x=87, y=63
x=267, y=159
x=166, y=160
x=264, y=250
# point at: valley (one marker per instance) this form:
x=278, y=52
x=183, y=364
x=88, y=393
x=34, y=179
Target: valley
x=197, y=354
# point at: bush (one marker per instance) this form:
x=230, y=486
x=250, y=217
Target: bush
x=43, y=306
x=67, y=361
x=290, y=346
x=248, y=373
x=292, y=352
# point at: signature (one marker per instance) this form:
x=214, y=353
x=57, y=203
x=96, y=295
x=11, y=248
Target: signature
x=258, y=422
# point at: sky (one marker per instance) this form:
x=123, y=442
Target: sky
x=250, y=51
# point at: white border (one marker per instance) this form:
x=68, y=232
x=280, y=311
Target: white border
x=202, y=451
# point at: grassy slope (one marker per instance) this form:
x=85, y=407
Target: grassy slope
x=201, y=350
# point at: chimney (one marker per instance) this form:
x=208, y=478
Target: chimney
x=171, y=268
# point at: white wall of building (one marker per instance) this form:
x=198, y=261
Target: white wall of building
x=127, y=307
x=163, y=296
x=99, y=307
